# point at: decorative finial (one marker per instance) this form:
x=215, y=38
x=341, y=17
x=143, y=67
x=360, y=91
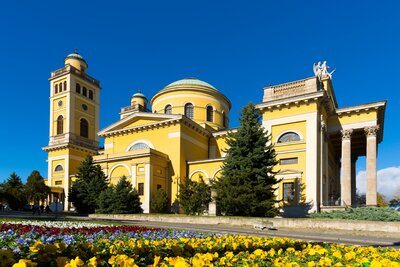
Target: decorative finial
x=76, y=51
x=321, y=70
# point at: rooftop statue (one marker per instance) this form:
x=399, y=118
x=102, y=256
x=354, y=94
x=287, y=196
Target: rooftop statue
x=321, y=70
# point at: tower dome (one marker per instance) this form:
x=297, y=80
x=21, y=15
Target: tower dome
x=196, y=99
x=139, y=99
x=77, y=61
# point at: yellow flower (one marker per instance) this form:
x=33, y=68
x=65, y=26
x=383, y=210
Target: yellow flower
x=311, y=264
x=75, y=262
x=92, y=262
x=156, y=261
x=376, y=263
x=25, y=263
x=311, y=252
x=349, y=256
x=337, y=254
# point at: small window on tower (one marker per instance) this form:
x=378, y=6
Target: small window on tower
x=210, y=114
x=56, y=89
x=78, y=88
x=84, y=91
x=189, y=110
x=141, y=189
x=168, y=109
x=61, y=88
x=84, y=128
x=60, y=124
x=65, y=86
x=91, y=94
x=59, y=168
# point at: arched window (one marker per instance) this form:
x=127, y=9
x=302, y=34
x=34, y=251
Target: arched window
x=56, y=88
x=84, y=125
x=84, y=91
x=59, y=168
x=78, y=88
x=138, y=146
x=90, y=94
x=210, y=113
x=168, y=109
x=60, y=124
x=224, y=119
x=289, y=137
x=61, y=88
x=65, y=86
x=189, y=110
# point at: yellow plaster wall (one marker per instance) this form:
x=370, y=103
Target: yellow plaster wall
x=292, y=110
x=141, y=121
x=361, y=116
x=206, y=169
x=118, y=172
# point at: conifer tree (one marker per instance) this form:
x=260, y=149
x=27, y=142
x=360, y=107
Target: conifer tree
x=120, y=199
x=90, y=182
x=246, y=184
x=35, y=188
x=194, y=196
x=13, y=190
x=160, y=202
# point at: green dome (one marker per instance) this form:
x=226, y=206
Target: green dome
x=76, y=55
x=191, y=81
x=138, y=94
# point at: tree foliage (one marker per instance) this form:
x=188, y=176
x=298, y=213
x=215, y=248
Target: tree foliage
x=194, y=197
x=35, y=188
x=13, y=190
x=160, y=202
x=119, y=199
x=90, y=182
x=246, y=184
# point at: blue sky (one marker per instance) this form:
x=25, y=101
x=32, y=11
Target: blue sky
x=237, y=46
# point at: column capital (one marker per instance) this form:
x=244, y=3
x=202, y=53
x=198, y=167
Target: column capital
x=371, y=131
x=346, y=134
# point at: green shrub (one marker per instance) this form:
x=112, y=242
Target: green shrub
x=160, y=202
x=366, y=214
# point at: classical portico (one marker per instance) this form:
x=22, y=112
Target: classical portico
x=349, y=157
x=318, y=144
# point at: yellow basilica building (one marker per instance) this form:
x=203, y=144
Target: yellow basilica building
x=181, y=134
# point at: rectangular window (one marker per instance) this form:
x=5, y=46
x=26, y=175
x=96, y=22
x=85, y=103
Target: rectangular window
x=159, y=187
x=288, y=192
x=58, y=183
x=141, y=189
x=288, y=161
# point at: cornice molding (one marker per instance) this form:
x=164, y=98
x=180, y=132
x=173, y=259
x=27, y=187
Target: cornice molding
x=290, y=101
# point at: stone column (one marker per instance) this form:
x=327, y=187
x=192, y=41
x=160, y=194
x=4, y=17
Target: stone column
x=322, y=166
x=353, y=180
x=346, y=168
x=371, y=196
x=212, y=206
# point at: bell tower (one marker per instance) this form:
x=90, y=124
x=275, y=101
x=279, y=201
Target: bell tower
x=74, y=123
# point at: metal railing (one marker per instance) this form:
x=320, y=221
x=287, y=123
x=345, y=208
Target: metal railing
x=70, y=69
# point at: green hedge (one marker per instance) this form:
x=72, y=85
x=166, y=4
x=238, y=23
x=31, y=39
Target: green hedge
x=367, y=214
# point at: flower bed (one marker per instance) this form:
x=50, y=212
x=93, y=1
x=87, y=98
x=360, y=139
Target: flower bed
x=94, y=245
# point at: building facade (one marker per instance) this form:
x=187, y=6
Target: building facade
x=182, y=135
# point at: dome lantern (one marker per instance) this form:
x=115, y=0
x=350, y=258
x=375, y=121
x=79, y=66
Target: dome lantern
x=76, y=61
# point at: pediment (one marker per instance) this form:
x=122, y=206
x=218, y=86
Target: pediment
x=137, y=120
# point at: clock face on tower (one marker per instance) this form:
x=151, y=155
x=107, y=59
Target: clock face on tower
x=84, y=107
x=60, y=103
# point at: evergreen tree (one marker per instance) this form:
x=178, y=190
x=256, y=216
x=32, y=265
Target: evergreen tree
x=90, y=182
x=35, y=188
x=160, y=202
x=120, y=199
x=194, y=197
x=246, y=184
x=13, y=190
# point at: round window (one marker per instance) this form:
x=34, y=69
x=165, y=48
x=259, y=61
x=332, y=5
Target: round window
x=60, y=103
x=85, y=107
